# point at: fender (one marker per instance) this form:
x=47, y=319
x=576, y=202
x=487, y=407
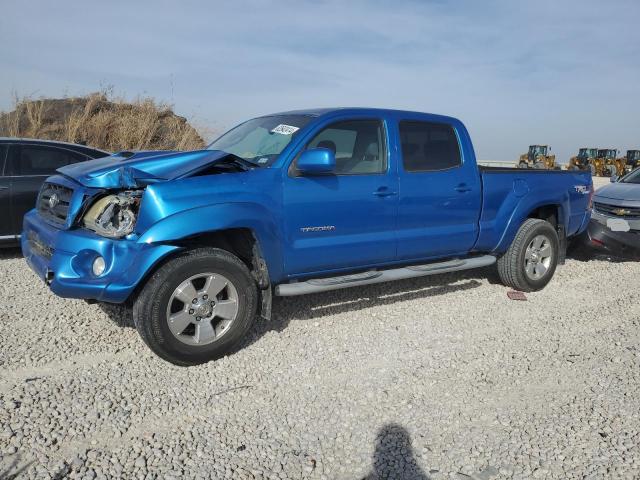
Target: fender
x=523, y=209
x=221, y=216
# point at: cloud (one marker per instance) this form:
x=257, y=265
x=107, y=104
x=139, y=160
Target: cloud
x=516, y=72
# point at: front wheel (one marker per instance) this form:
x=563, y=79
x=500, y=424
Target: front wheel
x=531, y=260
x=196, y=307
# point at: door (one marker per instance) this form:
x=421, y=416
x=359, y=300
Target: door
x=29, y=166
x=345, y=219
x=440, y=197
x=6, y=226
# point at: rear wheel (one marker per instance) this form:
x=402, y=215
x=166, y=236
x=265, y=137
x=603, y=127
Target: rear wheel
x=529, y=263
x=196, y=307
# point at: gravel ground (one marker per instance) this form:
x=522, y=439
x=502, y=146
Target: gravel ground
x=439, y=377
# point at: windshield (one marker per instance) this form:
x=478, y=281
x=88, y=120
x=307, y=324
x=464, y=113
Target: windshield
x=532, y=150
x=261, y=140
x=587, y=152
x=538, y=150
x=633, y=177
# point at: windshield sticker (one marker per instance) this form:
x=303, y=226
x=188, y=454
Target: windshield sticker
x=263, y=160
x=285, y=129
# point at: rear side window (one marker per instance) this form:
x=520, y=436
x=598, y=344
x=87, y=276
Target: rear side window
x=428, y=146
x=41, y=160
x=3, y=154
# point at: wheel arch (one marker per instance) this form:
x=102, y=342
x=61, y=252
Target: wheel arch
x=551, y=213
x=554, y=212
x=236, y=227
x=241, y=242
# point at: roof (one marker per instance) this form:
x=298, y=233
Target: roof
x=52, y=142
x=317, y=112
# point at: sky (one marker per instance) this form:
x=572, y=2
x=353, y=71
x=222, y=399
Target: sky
x=564, y=73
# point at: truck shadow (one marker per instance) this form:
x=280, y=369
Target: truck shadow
x=318, y=305
x=120, y=315
x=309, y=307
x=583, y=252
x=10, y=253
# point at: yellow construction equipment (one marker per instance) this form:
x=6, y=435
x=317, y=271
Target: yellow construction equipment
x=537, y=157
x=619, y=167
x=605, y=162
x=583, y=160
x=632, y=160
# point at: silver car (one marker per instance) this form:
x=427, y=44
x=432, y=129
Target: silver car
x=615, y=221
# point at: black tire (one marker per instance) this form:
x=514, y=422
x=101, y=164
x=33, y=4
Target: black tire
x=512, y=265
x=150, y=307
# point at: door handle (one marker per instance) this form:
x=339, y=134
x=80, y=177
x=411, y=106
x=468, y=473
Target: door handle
x=384, y=192
x=462, y=188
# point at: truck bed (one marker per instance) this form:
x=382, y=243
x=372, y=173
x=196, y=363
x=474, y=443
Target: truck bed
x=510, y=195
x=489, y=169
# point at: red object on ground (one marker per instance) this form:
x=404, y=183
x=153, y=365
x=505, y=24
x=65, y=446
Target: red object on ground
x=515, y=295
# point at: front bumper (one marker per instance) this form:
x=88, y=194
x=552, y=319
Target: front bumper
x=620, y=243
x=63, y=259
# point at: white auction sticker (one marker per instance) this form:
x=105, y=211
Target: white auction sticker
x=285, y=129
x=618, y=225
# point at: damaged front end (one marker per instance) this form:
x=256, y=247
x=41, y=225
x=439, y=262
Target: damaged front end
x=127, y=170
x=113, y=216
x=107, y=193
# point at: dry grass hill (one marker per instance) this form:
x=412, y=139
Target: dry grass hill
x=101, y=121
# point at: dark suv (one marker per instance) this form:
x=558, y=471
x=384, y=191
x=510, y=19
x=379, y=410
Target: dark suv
x=24, y=165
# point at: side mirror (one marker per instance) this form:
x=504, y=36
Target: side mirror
x=613, y=179
x=316, y=161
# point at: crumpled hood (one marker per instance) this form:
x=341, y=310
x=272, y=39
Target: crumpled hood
x=141, y=168
x=620, y=191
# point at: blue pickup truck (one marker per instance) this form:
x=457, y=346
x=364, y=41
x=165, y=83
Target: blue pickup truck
x=196, y=243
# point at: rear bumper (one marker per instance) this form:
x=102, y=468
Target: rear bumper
x=63, y=259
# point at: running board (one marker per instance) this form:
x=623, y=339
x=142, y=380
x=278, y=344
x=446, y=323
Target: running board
x=378, y=276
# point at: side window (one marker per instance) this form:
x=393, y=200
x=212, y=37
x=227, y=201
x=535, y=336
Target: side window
x=358, y=145
x=428, y=146
x=3, y=154
x=41, y=160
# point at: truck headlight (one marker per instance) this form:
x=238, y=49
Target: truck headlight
x=113, y=216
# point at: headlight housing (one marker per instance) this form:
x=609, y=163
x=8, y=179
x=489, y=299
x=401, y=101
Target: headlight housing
x=113, y=216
